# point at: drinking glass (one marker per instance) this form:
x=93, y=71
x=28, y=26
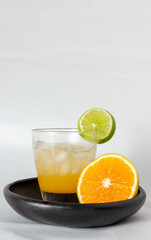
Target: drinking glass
x=60, y=156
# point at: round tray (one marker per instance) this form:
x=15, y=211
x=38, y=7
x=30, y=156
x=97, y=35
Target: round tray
x=24, y=197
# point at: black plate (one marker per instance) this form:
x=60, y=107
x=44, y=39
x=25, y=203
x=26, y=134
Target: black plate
x=24, y=197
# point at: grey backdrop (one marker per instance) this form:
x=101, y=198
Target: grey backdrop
x=57, y=60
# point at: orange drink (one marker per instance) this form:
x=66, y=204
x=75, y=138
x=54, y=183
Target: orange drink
x=60, y=156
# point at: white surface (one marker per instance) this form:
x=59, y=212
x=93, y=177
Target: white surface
x=59, y=58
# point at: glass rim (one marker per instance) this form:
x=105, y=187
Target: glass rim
x=62, y=130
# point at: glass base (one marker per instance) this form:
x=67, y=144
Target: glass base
x=59, y=197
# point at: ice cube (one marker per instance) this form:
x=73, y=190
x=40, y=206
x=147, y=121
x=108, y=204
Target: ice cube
x=59, y=157
x=79, y=159
x=80, y=156
x=75, y=148
x=64, y=168
x=41, y=145
x=63, y=146
x=75, y=168
x=80, y=148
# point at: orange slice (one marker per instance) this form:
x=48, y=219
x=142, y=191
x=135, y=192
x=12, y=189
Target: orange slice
x=108, y=178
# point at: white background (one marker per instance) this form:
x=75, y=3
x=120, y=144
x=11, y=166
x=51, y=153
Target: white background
x=59, y=58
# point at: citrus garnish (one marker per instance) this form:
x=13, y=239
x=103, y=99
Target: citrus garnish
x=108, y=178
x=100, y=120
